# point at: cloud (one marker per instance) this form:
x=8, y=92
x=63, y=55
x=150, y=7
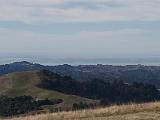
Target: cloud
x=79, y=10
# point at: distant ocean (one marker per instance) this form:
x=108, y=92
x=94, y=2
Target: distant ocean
x=83, y=61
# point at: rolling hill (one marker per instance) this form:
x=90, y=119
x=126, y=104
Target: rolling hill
x=25, y=83
x=45, y=87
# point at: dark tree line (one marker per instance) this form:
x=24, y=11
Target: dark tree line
x=22, y=104
x=107, y=92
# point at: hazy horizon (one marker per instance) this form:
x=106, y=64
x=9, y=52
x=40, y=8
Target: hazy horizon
x=52, y=60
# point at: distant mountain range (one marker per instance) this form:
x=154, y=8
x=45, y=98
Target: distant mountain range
x=128, y=73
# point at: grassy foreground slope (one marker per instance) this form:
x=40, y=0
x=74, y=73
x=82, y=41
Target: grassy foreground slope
x=147, y=111
x=25, y=83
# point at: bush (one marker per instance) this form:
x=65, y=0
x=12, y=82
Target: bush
x=22, y=104
x=81, y=105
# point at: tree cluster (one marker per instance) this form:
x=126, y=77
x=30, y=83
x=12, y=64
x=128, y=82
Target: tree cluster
x=81, y=105
x=107, y=92
x=22, y=104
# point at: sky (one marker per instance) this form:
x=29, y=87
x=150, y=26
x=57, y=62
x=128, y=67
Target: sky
x=80, y=28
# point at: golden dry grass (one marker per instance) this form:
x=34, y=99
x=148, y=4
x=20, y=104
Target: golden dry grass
x=147, y=111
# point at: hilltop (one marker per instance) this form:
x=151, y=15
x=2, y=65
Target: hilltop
x=147, y=111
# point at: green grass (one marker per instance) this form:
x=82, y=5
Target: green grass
x=24, y=83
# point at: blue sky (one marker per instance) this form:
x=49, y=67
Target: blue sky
x=80, y=28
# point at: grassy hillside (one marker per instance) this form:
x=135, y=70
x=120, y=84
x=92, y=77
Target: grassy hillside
x=148, y=111
x=25, y=83
x=31, y=84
